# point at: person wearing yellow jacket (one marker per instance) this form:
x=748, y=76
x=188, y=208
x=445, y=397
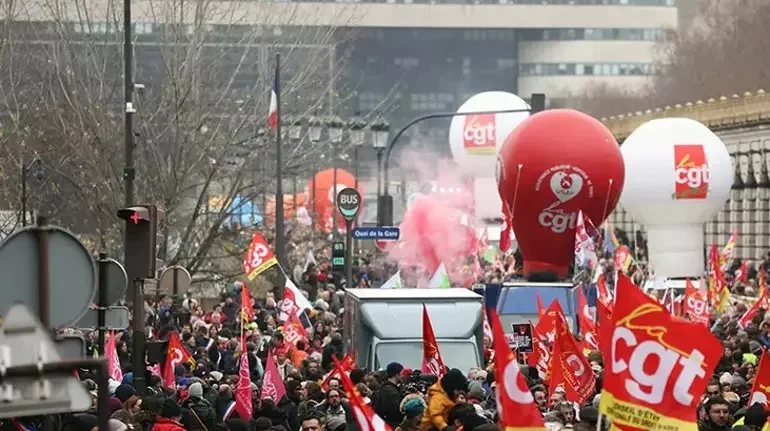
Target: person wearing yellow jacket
x=442, y=396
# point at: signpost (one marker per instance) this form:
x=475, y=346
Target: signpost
x=377, y=233
x=28, y=388
x=349, y=204
x=338, y=256
x=115, y=319
x=174, y=279
x=52, y=275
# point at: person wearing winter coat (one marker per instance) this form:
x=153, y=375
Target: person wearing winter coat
x=442, y=396
x=197, y=412
x=413, y=409
x=388, y=397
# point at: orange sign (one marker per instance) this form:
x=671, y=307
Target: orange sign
x=480, y=134
x=691, y=171
x=659, y=365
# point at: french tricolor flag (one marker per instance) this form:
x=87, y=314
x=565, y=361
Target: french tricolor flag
x=272, y=117
x=229, y=411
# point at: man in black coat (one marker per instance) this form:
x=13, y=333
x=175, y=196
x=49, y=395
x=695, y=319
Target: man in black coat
x=387, y=400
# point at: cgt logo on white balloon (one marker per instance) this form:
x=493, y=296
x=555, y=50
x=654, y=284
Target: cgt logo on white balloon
x=565, y=182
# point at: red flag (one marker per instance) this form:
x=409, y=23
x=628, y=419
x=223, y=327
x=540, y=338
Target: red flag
x=659, y=365
x=487, y=328
x=604, y=326
x=587, y=325
x=111, y=354
x=243, y=403
x=546, y=326
x=293, y=331
x=742, y=273
x=175, y=355
x=272, y=385
x=247, y=310
x=362, y=412
x=347, y=365
x=431, y=357
x=750, y=313
x=570, y=369
x=514, y=400
x=484, y=240
x=603, y=292
x=696, y=305
x=505, y=229
x=760, y=391
x=258, y=257
x=540, y=306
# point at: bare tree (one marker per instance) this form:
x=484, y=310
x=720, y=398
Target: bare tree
x=201, y=108
x=726, y=51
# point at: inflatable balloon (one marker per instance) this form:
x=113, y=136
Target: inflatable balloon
x=475, y=139
x=433, y=232
x=678, y=176
x=555, y=164
x=325, y=191
x=288, y=207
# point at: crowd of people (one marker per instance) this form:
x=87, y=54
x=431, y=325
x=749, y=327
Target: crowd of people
x=407, y=400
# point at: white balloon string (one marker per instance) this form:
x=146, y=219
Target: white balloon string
x=515, y=194
x=606, y=202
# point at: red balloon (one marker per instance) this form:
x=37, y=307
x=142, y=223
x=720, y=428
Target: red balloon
x=550, y=167
x=325, y=192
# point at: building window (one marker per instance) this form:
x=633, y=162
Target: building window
x=586, y=69
x=406, y=62
x=641, y=34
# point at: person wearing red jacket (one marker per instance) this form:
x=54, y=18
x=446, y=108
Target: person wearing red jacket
x=169, y=418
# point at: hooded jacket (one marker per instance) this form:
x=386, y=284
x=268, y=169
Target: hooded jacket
x=437, y=412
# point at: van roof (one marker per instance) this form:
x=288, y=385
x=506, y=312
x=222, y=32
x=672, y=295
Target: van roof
x=458, y=293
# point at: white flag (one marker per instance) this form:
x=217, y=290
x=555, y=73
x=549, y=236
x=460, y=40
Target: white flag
x=585, y=249
x=393, y=282
x=310, y=258
x=440, y=279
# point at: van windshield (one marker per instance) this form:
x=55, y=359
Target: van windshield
x=456, y=354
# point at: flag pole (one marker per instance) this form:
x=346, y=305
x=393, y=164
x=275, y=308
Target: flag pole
x=279, y=231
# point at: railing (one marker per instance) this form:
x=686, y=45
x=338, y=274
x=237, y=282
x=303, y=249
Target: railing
x=722, y=113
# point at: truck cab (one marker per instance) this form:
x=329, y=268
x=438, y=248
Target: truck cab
x=385, y=325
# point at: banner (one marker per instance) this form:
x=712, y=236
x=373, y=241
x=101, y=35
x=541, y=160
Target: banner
x=659, y=367
x=258, y=257
x=696, y=306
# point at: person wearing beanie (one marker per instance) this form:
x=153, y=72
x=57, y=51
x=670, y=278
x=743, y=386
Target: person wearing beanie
x=386, y=402
x=112, y=386
x=413, y=411
x=124, y=392
x=755, y=418
x=476, y=395
x=336, y=423
x=169, y=418
x=442, y=396
x=197, y=412
x=472, y=420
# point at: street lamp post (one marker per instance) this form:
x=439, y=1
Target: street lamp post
x=385, y=201
x=37, y=164
x=380, y=130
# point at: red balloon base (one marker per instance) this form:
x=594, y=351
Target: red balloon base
x=543, y=272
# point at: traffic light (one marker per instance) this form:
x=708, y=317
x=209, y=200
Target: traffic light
x=141, y=240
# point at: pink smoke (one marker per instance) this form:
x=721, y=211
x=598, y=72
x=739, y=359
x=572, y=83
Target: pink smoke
x=438, y=227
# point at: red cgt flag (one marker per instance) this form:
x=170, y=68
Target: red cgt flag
x=293, y=331
x=696, y=305
x=570, y=369
x=247, y=310
x=175, y=354
x=514, y=400
x=659, y=366
x=431, y=357
x=258, y=257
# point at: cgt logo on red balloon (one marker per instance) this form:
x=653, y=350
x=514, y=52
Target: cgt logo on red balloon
x=566, y=182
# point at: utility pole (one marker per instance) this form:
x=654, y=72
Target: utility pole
x=129, y=174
